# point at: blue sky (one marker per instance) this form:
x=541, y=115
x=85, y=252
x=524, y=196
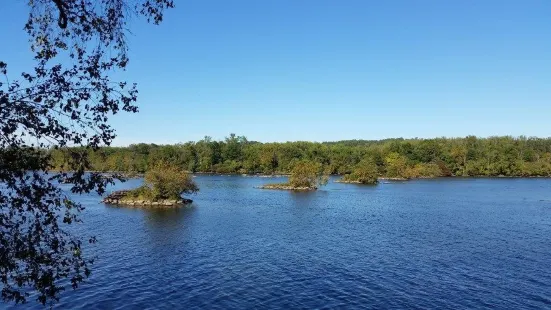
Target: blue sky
x=329, y=70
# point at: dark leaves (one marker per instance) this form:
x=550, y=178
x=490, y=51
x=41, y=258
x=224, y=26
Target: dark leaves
x=55, y=105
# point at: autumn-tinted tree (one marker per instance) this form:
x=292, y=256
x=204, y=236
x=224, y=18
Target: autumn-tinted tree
x=396, y=165
x=470, y=156
x=166, y=181
x=308, y=174
x=365, y=172
x=64, y=100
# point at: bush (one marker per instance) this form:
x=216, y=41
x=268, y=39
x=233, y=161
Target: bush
x=165, y=181
x=430, y=170
x=227, y=167
x=396, y=165
x=141, y=193
x=365, y=172
x=308, y=174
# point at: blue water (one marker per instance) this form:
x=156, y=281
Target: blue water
x=448, y=243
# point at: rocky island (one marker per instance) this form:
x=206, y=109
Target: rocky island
x=288, y=187
x=164, y=186
x=305, y=176
x=124, y=197
x=365, y=172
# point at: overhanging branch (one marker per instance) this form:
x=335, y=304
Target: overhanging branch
x=62, y=22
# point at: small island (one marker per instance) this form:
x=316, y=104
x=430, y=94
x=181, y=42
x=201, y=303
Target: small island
x=305, y=176
x=164, y=186
x=365, y=172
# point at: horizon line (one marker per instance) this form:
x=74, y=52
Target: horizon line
x=514, y=137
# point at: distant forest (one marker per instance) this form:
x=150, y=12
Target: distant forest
x=409, y=158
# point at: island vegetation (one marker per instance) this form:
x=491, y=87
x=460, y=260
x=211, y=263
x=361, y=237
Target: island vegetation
x=164, y=185
x=65, y=94
x=305, y=175
x=393, y=158
x=365, y=172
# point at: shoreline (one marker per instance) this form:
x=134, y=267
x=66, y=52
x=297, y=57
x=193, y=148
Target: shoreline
x=281, y=175
x=120, y=198
x=286, y=187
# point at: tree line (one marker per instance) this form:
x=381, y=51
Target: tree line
x=402, y=158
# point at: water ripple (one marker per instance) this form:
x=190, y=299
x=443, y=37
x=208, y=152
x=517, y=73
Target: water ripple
x=450, y=244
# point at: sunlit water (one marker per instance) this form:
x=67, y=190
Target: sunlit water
x=449, y=243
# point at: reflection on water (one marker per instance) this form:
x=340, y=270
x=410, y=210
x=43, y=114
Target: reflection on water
x=303, y=199
x=168, y=217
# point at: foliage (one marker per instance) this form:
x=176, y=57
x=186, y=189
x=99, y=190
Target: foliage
x=143, y=192
x=308, y=174
x=365, y=172
x=396, y=165
x=66, y=99
x=469, y=156
x=168, y=181
x=423, y=170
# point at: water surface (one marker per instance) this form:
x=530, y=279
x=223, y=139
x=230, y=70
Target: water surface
x=448, y=243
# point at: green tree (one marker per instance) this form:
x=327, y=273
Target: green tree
x=308, y=174
x=233, y=148
x=459, y=155
x=365, y=172
x=65, y=99
x=427, y=151
x=468, y=156
x=206, y=157
x=251, y=160
x=268, y=158
x=422, y=170
x=396, y=165
x=168, y=181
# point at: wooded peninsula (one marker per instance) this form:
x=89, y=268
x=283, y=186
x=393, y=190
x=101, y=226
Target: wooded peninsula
x=394, y=158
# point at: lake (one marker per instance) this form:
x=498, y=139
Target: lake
x=445, y=243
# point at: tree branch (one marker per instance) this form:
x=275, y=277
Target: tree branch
x=62, y=22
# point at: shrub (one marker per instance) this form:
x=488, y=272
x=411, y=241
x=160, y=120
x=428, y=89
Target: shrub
x=229, y=166
x=365, y=172
x=430, y=170
x=396, y=165
x=166, y=181
x=308, y=174
x=141, y=193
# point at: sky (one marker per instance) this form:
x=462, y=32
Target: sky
x=326, y=70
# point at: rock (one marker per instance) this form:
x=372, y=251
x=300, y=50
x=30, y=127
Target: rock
x=393, y=179
x=287, y=187
x=118, y=198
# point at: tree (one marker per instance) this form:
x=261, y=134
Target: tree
x=468, y=156
x=205, y=154
x=365, y=172
x=308, y=174
x=233, y=149
x=396, y=165
x=268, y=158
x=430, y=170
x=459, y=154
x=66, y=99
x=168, y=181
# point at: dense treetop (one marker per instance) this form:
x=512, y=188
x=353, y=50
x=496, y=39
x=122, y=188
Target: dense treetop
x=469, y=156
